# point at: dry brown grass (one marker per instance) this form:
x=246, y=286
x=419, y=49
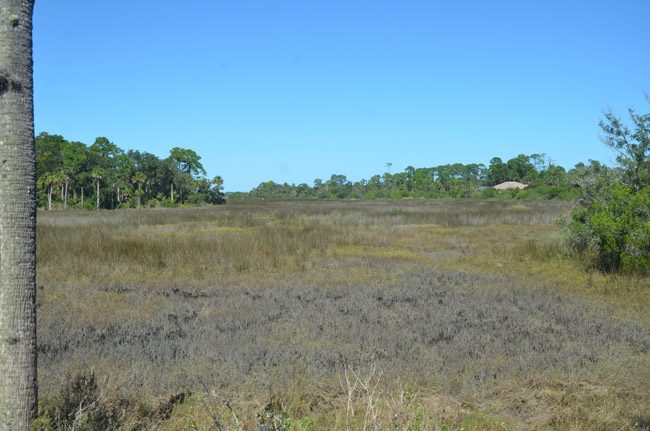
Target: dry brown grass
x=472, y=313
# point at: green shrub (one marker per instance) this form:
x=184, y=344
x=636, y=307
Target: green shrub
x=167, y=203
x=486, y=193
x=612, y=221
x=613, y=226
x=546, y=191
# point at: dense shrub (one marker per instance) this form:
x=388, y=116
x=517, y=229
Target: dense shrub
x=614, y=226
x=612, y=221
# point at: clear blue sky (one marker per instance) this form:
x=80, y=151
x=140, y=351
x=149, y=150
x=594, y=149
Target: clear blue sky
x=292, y=90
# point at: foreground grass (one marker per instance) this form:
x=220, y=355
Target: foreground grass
x=340, y=315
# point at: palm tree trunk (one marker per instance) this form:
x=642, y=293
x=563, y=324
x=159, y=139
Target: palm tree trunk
x=18, y=388
x=49, y=198
x=65, y=196
x=97, y=194
x=82, y=197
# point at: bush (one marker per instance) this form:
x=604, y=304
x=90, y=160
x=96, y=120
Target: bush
x=613, y=226
x=612, y=221
x=545, y=191
x=168, y=203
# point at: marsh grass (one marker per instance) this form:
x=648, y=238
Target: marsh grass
x=465, y=314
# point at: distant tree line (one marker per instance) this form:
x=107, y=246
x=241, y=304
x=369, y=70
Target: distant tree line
x=544, y=180
x=102, y=175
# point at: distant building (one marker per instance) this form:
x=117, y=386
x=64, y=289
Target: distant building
x=510, y=185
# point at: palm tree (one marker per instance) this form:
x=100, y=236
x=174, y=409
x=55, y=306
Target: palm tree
x=18, y=388
x=97, y=175
x=47, y=182
x=140, y=179
x=64, y=177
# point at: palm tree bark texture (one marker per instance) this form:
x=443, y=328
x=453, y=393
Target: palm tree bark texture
x=18, y=385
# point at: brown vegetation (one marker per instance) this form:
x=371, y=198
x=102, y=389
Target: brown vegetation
x=346, y=315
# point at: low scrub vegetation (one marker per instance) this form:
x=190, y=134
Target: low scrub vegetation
x=335, y=315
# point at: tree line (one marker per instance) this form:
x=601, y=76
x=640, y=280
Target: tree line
x=102, y=175
x=544, y=179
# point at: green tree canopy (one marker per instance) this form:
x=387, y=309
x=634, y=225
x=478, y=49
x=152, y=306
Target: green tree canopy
x=632, y=145
x=117, y=178
x=187, y=161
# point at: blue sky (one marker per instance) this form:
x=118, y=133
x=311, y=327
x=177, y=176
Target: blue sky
x=290, y=90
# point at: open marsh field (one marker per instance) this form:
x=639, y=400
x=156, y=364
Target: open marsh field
x=418, y=315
